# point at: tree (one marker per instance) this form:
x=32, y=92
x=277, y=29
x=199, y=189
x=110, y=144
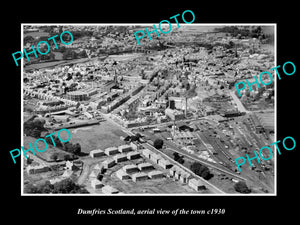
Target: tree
x=29, y=160
x=46, y=188
x=68, y=147
x=231, y=44
x=35, y=132
x=54, y=156
x=201, y=170
x=30, y=188
x=28, y=39
x=69, y=54
x=62, y=49
x=178, y=158
x=57, y=142
x=67, y=157
x=175, y=156
x=34, y=128
x=64, y=186
x=55, y=139
x=77, y=149
x=181, y=160
x=242, y=187
x=82, y=54
x=158, y=143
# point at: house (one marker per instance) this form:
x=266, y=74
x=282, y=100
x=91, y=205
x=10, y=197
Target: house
x=155, y=174
x=122, y=175
x=155, y=157
x=37, y=169
x=177, y=175
x=107, y=189
x=134, y=146
x=70, y=166
x=109, y=163
x=172, y=171
x=176, y=172
x=139, y=176
x=111, y=151
x=97, y=153
x=147, y=153
x=96, y=184
x=197, y=185
x=131, y=168
x=145, y=166
x=184, y=178
x=125, y=148
x=120, y=158
x=165, y=163
x=133, y=155
x=56, y=180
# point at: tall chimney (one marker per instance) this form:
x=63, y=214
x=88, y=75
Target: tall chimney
x=185, y=106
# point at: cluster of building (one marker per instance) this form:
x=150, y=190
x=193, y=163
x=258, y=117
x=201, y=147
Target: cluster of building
x=140, y=91
x=68, y=168
x=139, y=171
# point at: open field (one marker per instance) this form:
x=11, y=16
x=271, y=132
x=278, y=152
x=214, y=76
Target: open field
x=96, y=137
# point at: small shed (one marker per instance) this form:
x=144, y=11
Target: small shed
x=97, y=153
x=96, y=184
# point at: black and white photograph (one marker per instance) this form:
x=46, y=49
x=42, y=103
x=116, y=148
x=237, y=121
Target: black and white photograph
x=162, y=117
x=149, y=112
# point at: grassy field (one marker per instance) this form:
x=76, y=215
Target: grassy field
x=96, y=137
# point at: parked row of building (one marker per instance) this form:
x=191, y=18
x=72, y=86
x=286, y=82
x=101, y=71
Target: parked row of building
x=156, y=158
x=175, y=171
x=142, y=171
x=139, y=172
x=111, y=151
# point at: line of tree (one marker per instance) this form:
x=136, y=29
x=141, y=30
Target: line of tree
x=67, y=146
x=71, y=54
x=64, y=186
x=245, y=31
x=34, y=127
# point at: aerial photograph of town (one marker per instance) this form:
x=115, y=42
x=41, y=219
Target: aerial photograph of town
x=160, y=118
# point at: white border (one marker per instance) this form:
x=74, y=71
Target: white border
x=149, y=24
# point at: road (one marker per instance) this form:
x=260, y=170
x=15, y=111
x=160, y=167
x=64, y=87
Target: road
x=237, y=101
x=241, y=107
